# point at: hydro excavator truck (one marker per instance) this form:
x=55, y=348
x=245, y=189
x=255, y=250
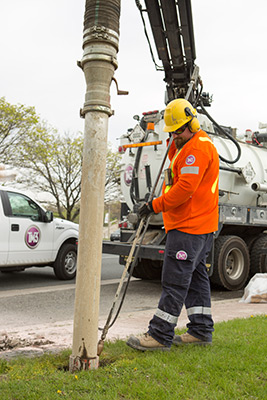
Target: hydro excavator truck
x=240, y=244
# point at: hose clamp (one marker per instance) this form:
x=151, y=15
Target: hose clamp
x=101, y=33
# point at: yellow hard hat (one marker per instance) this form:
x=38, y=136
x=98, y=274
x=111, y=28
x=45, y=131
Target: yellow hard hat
x=178, y=113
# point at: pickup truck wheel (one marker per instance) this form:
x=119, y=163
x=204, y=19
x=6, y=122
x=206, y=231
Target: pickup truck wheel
x=148, y=269
x=65, y=265
x=231, y=262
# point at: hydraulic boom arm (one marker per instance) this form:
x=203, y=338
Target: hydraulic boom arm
x=172, y=28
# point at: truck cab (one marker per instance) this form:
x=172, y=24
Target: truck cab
x=30, y=236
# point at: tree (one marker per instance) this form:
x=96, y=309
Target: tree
x=113, y=169
x=16, y=123
x=112, y=183
x=48, y=161
x=53, y=164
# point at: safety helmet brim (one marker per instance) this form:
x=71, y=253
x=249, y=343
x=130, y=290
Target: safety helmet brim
x=175, y=116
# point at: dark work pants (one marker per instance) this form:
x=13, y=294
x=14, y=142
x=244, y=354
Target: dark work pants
x=184, y=281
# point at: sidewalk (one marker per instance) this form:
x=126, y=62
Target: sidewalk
x=35, y=340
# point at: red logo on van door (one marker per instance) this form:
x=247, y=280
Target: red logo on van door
x=32, y=237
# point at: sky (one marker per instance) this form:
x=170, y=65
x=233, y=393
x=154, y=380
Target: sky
x=41, y=42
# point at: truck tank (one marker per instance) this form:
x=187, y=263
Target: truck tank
x=240, y=244
x=241, y=183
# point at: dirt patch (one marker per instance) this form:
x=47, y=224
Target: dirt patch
x=9, y=343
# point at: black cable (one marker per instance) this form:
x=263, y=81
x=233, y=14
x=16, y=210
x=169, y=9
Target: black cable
x=198, y=94
x=141, y=237
x=129, y=276
x=135, y=169
x=139, y=6
x=224, y=133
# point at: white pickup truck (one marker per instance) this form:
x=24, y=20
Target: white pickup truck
x=30, y=236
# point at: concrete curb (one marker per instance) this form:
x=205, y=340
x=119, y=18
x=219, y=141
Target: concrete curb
x=60, y=333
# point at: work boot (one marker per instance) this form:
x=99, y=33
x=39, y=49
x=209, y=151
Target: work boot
x=146, y=342
x=186, y=338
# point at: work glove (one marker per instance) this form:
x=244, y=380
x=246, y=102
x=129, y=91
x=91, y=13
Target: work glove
x=145, y=210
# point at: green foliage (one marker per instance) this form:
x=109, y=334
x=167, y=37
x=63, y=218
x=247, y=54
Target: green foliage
x=233, y=368
x=17, y=123
x=47, y=161
x=52, y=164
x=114, y=209
x=113, y=169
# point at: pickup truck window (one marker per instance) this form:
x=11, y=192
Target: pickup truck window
x=23, y=206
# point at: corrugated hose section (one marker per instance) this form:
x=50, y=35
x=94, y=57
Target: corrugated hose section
x=102, y=13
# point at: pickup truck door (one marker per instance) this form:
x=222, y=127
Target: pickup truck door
x=4, y=236
x=30, y=239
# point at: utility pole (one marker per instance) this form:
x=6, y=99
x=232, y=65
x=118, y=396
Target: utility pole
x=100, y=45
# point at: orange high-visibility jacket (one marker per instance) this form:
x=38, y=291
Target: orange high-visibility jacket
x=190, y=204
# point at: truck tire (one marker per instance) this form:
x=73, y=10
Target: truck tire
x=65, y=265
x=148, y=269
x=231, y=262
x=250, y=241
x=258, y=260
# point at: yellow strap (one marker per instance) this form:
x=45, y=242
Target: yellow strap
x=202, y=139
x=213, y=188
x=167, y=188
x=205, y=139
x=174, y=158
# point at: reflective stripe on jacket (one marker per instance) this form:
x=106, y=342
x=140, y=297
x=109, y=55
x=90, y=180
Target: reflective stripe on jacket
x=191, y=203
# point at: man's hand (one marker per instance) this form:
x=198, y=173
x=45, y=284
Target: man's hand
x=145, y=210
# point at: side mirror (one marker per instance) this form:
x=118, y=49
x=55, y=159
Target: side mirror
x=48, y=216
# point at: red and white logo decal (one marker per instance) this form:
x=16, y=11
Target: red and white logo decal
x=32, y=236
x=190, y=160
x=181, y=255
x=128, y=174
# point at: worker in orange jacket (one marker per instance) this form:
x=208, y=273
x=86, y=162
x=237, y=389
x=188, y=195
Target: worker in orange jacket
x=189, y=203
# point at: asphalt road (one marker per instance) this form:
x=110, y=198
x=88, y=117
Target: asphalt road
x=44, y=276
x=35, y=296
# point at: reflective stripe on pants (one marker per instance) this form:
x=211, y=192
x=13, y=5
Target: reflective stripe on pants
x=184, y=281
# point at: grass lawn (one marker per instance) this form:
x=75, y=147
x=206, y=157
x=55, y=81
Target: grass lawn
x=234, y=367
